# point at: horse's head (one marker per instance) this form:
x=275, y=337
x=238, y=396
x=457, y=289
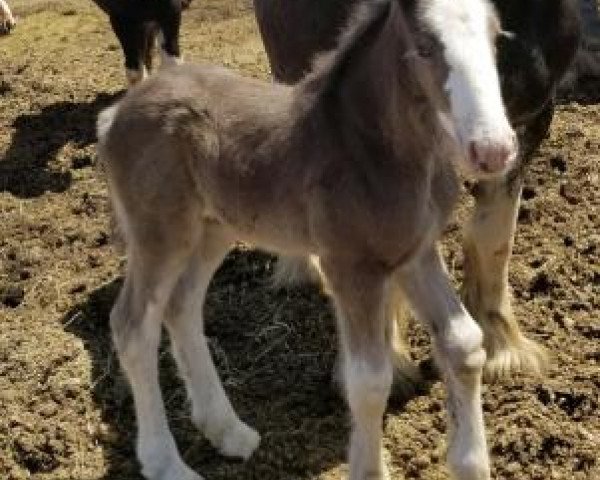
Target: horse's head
x=458, y=38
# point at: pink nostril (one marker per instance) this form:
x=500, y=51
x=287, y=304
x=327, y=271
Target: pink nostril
x=492, y=157
x=480, y=156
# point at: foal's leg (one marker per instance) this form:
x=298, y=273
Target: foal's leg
x=136, y=325
x=359, y=295
x=211, y=411
x=407, y=376
x=407, y=379
x=488, y=245
x=458, y=348
x=293, y=270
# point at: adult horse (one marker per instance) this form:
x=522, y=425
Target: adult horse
x=138, y=24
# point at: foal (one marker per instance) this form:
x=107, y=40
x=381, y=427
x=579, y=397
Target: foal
x=354, y=164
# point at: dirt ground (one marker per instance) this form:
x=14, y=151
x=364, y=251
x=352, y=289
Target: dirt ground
x=65, y=410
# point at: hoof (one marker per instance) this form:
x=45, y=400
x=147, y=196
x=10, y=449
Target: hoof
x=233, y=438
x=240, y=442
x=165, y=464
x=508, y=350
x=505, y=358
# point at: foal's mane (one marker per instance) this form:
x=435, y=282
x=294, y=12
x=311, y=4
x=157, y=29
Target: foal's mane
x=328, y=66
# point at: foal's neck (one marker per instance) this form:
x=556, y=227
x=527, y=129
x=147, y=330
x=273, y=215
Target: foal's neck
x=375, y=96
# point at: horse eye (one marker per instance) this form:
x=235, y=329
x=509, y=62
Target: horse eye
x=425, y=52
x=426, y=47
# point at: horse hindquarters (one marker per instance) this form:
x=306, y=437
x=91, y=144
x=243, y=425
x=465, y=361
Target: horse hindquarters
x=166, y=281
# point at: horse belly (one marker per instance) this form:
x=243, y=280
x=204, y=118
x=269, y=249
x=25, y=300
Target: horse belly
x=268, y=217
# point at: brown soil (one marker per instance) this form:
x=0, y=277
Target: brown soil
x=65, y=410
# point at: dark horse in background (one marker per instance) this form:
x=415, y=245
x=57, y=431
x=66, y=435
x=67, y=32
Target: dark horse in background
x=587, y=72
x=538, y=46
x=137, y=24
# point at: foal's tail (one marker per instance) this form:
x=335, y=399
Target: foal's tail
x=105, y=121
x=118, y=222
x=104, y=125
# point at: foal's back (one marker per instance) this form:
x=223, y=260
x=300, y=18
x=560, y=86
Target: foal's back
x=202, y=138
x=320, y=166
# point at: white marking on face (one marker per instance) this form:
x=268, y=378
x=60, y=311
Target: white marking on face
x=473, y=86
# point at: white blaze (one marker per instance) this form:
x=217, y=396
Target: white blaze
x=473, y=86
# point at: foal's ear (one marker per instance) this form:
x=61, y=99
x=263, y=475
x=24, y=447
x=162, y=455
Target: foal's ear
x=408, y=7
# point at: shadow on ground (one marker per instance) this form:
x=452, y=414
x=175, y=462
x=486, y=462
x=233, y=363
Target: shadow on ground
x=274, y=351
x=26, y=170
